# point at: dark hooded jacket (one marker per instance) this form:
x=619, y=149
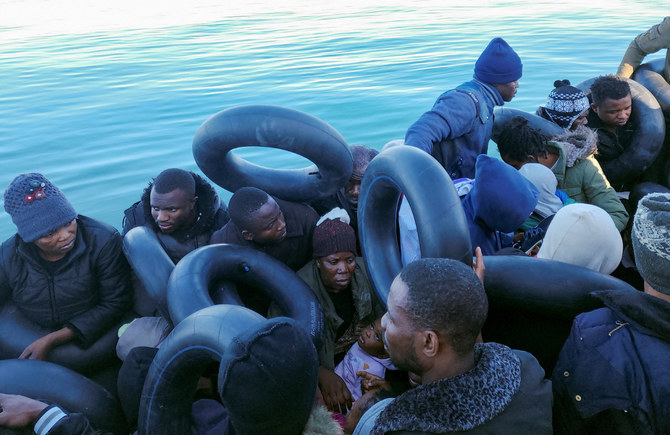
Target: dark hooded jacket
x=88, y=292
x=500, y=201
x=212, y=215
x=612, y=374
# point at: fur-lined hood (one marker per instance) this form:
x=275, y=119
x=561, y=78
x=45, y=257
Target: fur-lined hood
x=577, y=144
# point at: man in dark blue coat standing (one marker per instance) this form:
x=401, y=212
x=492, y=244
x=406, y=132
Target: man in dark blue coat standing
x=458, y=127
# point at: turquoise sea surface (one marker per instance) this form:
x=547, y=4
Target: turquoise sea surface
x=101, y=97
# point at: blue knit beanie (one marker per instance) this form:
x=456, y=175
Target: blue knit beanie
x=498, y=63
x=651, y=240
x=36, y=206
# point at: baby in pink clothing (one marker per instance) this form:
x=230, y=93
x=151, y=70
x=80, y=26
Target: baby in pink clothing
x=368, y=355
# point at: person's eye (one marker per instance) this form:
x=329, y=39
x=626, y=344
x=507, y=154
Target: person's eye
x=172, y=210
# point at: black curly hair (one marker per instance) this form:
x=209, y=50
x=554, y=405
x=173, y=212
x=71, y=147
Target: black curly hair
x=609, y=86
x=518, y=140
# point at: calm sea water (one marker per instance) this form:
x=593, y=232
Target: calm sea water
x=101, y=98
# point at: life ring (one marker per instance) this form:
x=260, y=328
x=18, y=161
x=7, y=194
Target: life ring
x=647, y=142
x=533, y=301
x=274, y=127
x=650, y=75
x=503, y=115
x=151, y=264
x=69, y=390
x=188, y=287
x=440, y=220
x=193, y=344
x=17, y=332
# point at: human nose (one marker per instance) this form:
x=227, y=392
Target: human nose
x=162, y=216
x=281, y=224
x=62, y=233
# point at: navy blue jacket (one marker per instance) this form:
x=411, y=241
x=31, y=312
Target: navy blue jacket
x=613, y=374
x=458, y=127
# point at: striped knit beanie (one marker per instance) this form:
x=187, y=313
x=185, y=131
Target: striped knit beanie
x=565, y=103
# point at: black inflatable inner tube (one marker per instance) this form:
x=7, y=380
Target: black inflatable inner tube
x=440, y=220
x=647, y=141
x=189, y=284
x=195, y=343
x=17, y=332
x=69, y=390
x=274, y=127
x=151, y=264
x=650, y=75
x=503, y=116
x=533, y=301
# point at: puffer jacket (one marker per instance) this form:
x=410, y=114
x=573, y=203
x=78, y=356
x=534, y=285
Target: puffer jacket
x=611, y=375
x=89, y=292
x=458, y=127
x=580, y=176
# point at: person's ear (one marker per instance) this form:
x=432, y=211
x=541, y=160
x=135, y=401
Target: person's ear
x=431, y=343
x=193, y=201
x=594, y=107
x=247, y=235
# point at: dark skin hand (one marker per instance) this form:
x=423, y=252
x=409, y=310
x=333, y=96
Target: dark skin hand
x=372, y=382
x=335, y=393
x=40, y=348
x=19, y=411
x=478, y=264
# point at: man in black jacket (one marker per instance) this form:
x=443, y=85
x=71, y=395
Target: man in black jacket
x=182, y=208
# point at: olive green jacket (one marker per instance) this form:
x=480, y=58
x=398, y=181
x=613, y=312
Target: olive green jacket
x=365, y=302
x=654, y=39
x=585, y=182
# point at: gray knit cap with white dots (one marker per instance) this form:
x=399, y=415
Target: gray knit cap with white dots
x=36, y=206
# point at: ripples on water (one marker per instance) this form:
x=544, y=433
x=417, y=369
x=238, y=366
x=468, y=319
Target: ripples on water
x=101, y=99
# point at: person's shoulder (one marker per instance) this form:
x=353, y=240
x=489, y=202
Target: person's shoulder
x=298, y=211
x=229, y=233
x=97, y=227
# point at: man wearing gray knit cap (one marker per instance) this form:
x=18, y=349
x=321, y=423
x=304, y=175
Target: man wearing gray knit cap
x=613, y=374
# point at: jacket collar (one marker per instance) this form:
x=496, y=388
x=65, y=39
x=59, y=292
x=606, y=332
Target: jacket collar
x=490, y=92
x=30, y=251
x=459, y=403
x=644, y=312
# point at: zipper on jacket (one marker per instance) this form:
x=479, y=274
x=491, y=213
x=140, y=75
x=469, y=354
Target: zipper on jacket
x=52, y=297
x=620, y=325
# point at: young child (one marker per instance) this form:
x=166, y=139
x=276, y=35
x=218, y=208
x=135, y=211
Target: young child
x=368, y=355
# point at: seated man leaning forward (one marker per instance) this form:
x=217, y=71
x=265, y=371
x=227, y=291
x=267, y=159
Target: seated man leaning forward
x=64, y=271
x=281, y=229
x=182, y=209
x=436, y=309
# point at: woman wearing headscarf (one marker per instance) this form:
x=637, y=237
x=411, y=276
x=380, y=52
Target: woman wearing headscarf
x=64, y=271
